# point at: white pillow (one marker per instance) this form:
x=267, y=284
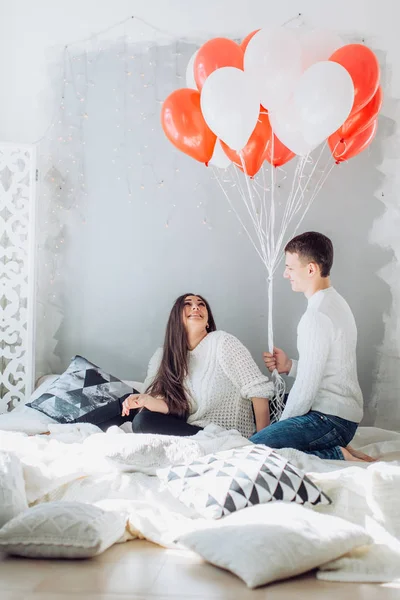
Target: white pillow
x=26, y=419
x=62, y=530
x=12, y=487
x=223, y=482
x=274, y=541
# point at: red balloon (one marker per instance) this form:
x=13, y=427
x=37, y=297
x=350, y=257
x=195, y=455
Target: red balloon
x=245, y=41
x=184, y=125
x=214, y=54
x=281, y=154
x=363, y=67
x=344, y=150
x=259, y=148
x=357, y=122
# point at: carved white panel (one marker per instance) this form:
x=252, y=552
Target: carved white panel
x=17, y=232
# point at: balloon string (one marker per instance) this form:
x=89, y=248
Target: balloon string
x=255, y=220
x=217, y=175
x=270, y=314
x=261, y=211
x=272, y=217
x=267, y=241
x=276, y=408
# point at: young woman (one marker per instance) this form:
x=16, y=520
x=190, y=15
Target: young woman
x=200, y=376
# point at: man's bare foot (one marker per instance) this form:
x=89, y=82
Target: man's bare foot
x=348, y=456
x=349, y=453
x=361, y=455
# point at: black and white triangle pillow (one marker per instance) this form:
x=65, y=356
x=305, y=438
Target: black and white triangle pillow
x=83, y=393
x=226, y=481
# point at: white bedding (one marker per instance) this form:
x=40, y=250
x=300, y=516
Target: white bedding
x=115, y=471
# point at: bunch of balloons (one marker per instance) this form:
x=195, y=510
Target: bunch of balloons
x=280, y=93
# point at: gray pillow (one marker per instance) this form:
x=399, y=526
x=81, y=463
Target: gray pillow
x=83, y=394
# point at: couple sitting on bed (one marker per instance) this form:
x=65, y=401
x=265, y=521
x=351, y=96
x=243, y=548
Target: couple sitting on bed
x=203, y=375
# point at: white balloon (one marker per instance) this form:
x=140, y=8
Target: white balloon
x=219, y=158
x=190, y=80
x=317, y=45
x=230, y=106
x=273, y=61
x=287, y=126
x=323, y=98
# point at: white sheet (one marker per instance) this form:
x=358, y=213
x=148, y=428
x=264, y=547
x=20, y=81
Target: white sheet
x=366, y=494
x=115, y=471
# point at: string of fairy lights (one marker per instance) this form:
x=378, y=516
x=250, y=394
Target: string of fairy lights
x=110, y=89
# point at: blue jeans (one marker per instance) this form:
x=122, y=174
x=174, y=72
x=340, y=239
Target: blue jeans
x=313, y=433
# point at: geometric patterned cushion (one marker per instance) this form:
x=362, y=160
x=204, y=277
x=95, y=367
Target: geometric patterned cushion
x=12, y=487
x=221, y=483
x=84, y=393
x=62, y=530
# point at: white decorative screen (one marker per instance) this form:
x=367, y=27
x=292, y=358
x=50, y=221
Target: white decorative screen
x=17, y=229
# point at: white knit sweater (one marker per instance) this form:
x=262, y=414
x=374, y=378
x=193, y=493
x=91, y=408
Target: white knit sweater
x=222, y=378
x=326, y=372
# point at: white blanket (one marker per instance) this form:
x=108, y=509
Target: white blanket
x=116, y=471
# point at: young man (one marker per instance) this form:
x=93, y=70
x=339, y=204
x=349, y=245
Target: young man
x=325, y=404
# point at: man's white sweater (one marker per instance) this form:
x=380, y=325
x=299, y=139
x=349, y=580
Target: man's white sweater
x=326, y=372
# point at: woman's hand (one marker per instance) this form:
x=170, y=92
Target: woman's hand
x=144, y=401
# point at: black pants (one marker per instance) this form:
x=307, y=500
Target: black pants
x=117, y=418
x=147, y=421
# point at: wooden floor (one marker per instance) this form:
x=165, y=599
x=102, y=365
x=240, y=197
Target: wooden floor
x=138, y=570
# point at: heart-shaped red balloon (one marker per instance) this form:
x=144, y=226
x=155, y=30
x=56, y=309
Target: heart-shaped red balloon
x=184, y=125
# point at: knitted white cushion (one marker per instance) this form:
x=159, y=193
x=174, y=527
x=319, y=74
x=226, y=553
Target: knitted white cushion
x=12, y=487
x=274, y=541
x=62, y=530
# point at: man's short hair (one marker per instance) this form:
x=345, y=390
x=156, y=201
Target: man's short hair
x=313, y=247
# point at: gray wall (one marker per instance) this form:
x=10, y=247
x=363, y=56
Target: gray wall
x=120, y=267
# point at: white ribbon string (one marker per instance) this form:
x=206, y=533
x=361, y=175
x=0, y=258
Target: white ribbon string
x=267, y=231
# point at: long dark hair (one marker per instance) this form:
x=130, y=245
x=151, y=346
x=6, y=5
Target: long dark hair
x=174, y=363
